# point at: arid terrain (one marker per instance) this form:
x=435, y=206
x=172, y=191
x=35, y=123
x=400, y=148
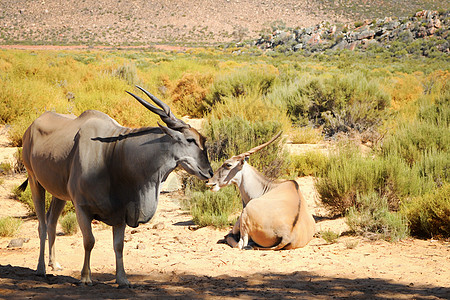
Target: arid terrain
x=114, y=23
x=171, y=258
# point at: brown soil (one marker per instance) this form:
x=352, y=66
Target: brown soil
x=129, y=22
x=169, y=258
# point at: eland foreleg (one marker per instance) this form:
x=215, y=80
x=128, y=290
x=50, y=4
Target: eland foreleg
x=118, y=236
x=231, y=236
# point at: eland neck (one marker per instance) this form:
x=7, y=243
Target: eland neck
x=253, y=184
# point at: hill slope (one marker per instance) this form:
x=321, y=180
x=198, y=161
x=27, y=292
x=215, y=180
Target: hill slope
x=166, y=21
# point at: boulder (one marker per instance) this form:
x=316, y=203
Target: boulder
x=366, y=34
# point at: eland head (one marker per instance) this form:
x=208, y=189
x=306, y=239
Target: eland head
x=192, y=155
x=230, y=172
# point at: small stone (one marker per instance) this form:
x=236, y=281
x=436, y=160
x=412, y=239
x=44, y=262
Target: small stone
x=159, y=226
x=17, y=243
x=127, y=238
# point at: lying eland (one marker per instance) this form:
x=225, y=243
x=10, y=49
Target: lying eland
x=275, y=214
x=110, y=173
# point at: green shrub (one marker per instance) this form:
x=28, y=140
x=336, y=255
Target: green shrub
x=340, y=103
x=243, y=81
x=5, y=168
x=9, y=226
x=429, y=131
x=289, y=97
x=239, y=124
x=69, y=223
x=25, y=198
x=429, y=215
x=214, y=208
x=305, y=135
x=329, y=236
x=19, y=167
x=234, y=136
x=307, y=164
x=371, y=214
x=348, y=173
x=434, y=165
x=127, y=72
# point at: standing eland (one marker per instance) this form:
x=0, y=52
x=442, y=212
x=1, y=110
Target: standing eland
x=275, y=214
x=110, y=173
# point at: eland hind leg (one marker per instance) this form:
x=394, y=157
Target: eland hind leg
x=53, y=213
x=38, y=196
x=84, y=221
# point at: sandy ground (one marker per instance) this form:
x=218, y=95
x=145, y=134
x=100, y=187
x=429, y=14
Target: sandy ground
x=170, y=258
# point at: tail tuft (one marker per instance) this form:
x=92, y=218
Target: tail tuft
x=23, y=186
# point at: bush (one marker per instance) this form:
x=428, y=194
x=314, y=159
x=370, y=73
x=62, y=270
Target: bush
x=189, y=94
x=348, y=173
x=289, y=97
x=69, y=223
x=214, y=208
x=235, y=135
x=429, y=215
x=307, y=164
x=241, y=82
x=237, y=125
x=329, y=236
x=428, y=131
x=371, y=214
x=5, y=168
x=128, y=73
x=305, y=135
x=340, y=103
x=19, y=167
x=434, y=165
x=9, y=226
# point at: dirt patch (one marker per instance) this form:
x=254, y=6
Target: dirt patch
x=166, y=258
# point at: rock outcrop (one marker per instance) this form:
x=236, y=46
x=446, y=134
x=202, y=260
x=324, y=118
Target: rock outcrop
x=423, y=33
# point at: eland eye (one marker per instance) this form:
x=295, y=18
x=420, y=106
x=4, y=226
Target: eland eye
x=228, y=165
x=191, y=140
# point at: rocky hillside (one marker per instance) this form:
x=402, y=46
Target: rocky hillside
x=424, y=33
x=122, y=22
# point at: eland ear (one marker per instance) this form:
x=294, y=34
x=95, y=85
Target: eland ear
x=244, y=159
x=176, y=135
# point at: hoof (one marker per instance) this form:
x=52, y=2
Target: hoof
x=86, y=282
x=123, y=284
x=55, y=267
x=247, y=248
x=41, y=274
x=40, y=270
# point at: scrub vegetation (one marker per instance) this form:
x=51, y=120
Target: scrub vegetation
x=398, y=108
